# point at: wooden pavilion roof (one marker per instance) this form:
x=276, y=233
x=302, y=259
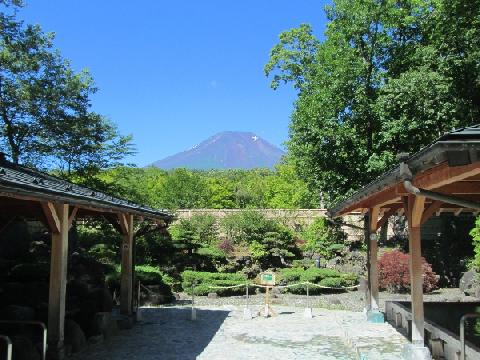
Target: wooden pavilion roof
x=449, y=166
x=26, y=192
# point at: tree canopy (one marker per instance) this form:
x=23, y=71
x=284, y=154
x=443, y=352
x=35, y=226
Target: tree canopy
x=389, y=77
x=216, y=189
x=45, y=116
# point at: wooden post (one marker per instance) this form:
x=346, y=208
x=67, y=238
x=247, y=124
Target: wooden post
x=126, y=290
x=373, y=227
x=366, y=233
x=415, y=212
x=58, y=280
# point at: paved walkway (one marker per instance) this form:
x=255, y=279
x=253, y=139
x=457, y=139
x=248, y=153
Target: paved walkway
x=222, y=333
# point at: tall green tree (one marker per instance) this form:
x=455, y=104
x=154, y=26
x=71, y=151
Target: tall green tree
x=45, y=116
x=381, y=82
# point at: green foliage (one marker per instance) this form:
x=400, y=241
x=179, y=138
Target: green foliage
x=323, y=238
x=247, y=226
x=201, y=282
x=146, y=274
x=388, y=77
x=46, y=120
x=324, y=277
x=217, y=189
x=270, y=243
x=103, y=253
x=475, y=233
x=212, y=252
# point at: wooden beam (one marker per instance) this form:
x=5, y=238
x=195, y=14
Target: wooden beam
x=430, y=210
x=122, y=221
x=126, y=284
x=387, y=215
x=406, y=207
x=58, y=284
x=373, y=224
x=415, y=211
x=442, y=175
x=458, y=212
x=105, y=209
x=416, y=281
x=51, y=216
x=72, y=217
x=417, y=207
x=460, y=187
x=373, y=218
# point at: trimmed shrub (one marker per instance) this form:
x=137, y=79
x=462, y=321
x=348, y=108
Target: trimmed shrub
x=324, y=277
x=394, y=273
x=303, y=263
x=201, y=282
x=146, y=274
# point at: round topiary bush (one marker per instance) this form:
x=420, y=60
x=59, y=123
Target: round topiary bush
x=394, y=273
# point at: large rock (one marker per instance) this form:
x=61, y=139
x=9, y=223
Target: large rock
x=16, y=312
x=15, y=241
x=87, y=270
x=74, y=336
x=30, y=272
x=13, y=293
x=470, y=283
x=36, y=293
x=103, y=299
x=105, y=324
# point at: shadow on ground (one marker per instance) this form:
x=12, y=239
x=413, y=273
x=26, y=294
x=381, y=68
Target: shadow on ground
x=163, y=333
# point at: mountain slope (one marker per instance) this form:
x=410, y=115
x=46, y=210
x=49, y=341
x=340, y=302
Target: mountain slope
x=226, y=150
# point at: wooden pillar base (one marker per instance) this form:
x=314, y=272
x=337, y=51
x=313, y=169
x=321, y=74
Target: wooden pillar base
x=375, y=316
x=55, y=351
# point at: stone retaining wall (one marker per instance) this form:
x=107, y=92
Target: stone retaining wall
x=295, y=219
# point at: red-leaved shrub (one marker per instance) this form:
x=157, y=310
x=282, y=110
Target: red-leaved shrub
x=394, y=273
x=226, y=246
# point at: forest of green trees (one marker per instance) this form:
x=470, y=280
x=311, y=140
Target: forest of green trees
x=217, y=189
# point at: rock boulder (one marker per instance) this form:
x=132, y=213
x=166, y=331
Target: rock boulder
x=470, y=283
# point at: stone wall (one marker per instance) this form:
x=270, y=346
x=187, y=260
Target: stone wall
x=295, y=219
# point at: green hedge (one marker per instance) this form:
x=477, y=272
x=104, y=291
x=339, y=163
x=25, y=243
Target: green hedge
x=201, y=282
x=146, y=274
x=324, y=277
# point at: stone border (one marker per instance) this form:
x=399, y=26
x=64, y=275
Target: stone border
x=442, y=342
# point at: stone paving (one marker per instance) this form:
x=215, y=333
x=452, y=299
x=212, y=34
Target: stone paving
x=222, y=333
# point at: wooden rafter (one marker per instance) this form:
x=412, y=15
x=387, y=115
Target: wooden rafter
x=122, y=221
x=373, y=218
x=443, y=175
x=72, y=216
x=430, y=210
x=386, y=215
x=51, y=217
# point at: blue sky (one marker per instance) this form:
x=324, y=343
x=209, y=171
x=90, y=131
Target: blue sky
x=173, y=73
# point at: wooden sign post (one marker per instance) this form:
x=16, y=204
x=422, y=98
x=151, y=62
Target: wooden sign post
x=268, y=279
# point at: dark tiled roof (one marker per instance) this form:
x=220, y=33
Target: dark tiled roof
x=458, y=147
x=25, y=181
